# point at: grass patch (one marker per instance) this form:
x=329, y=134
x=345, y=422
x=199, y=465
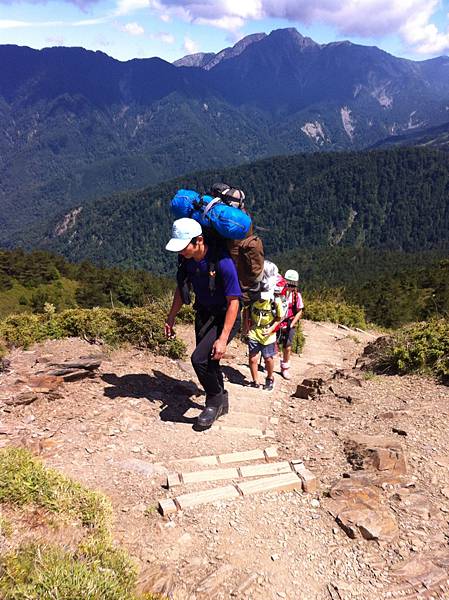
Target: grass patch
x=142, y=327
x=39, y=572
x=25, y=480
x=95, y=570
x=416, y=348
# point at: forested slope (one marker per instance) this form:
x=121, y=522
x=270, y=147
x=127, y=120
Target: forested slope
x=390, y=200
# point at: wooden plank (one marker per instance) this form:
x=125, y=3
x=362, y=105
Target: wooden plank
x=227, y=492
x=173, y=480
x=271, y=452
x=243, y=430
x=265, y=469
x=210, y=475
x=309, y=481
x=167, y=506
x=200, y=460
x=233, y=457
x=277, y=483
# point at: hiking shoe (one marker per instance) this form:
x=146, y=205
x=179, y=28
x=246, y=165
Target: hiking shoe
x=269, y=385
x=210, y=414
x=253, y=384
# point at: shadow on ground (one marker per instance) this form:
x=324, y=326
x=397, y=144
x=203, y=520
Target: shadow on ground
x=173, y=394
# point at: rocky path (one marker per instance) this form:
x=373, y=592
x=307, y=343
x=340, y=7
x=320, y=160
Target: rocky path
x=129, y=427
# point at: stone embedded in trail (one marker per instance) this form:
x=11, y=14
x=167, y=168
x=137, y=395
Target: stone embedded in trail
x=376, y=453
x=369, y=523
x=4, y=365
x=90, y=364
x=305, y=392
x=356, y=506
x=74, y=370
x=426, y=572
x=44, y=383
x=415, y=504
x=348, y=376
x=355, y=491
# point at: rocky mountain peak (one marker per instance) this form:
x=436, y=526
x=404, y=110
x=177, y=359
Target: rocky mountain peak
x=290, y=34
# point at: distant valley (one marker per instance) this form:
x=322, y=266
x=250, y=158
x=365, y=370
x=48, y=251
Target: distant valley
x=76, y=125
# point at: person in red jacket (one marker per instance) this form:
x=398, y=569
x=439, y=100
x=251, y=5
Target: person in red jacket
x=287, y=330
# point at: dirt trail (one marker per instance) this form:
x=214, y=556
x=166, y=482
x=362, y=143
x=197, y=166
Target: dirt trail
x=124, y=430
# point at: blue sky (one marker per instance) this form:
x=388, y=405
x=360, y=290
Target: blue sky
x=127, y=29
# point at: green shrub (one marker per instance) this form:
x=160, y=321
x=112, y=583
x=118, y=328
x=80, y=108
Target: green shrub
x=95, y=570
x=38, y=572
x=299, y=340
x=25, y=480
x=422, y=347
x=142, y=327
x=334, y=310
x=416, y=348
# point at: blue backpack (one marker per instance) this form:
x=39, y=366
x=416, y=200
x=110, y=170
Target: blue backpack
x=228, y=221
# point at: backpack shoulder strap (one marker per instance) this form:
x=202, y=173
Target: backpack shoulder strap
x=215, y=254
x=295, y=302
x=182, y=281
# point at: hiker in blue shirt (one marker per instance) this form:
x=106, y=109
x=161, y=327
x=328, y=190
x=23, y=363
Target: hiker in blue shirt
x=217, y=310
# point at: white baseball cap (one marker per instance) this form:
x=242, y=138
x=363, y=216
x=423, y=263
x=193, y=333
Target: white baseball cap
x=183, y=231
x=291, y=276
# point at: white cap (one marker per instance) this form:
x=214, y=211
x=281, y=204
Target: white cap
x=183, y=231
x=291, y=276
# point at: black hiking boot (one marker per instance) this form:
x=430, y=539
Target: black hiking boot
x=269, y=385
x=211, y=413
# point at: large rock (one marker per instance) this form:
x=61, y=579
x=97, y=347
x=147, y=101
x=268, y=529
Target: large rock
x=356, y=506
x=427, y=573
x=377, y=453
x=369, y=523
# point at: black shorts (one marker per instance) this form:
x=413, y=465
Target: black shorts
x=285, y=336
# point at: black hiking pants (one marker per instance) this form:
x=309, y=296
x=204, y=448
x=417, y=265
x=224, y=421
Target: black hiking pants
x=208, y=327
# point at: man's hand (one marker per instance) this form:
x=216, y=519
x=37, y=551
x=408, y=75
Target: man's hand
x=168, y=329
x=218, y=349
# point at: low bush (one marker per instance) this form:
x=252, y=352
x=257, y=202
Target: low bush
x=95, y=570
x=142, y=327
x=416, y=348
x=299, y=340
x=335, y=310
x=26, y=480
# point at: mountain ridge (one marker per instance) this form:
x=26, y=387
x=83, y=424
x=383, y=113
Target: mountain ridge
x=76, y=124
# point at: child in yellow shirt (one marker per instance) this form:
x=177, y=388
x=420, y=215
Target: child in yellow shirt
x=265, y=315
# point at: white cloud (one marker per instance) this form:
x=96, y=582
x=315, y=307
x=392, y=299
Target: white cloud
x=410, y=19
x=162, y=36
x=228, y=23
x=57, y=40
x=82, y=4
x=132, y=28
x=165, y=18
x=190, y=46
x=11, y=24
x=124, y=7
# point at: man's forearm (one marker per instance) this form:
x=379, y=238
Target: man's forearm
x=231, y=314
x=176, y=305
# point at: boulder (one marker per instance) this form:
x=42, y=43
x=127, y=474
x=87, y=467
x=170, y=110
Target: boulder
x=305, y=392
x=376, y=453
x=367, y=522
